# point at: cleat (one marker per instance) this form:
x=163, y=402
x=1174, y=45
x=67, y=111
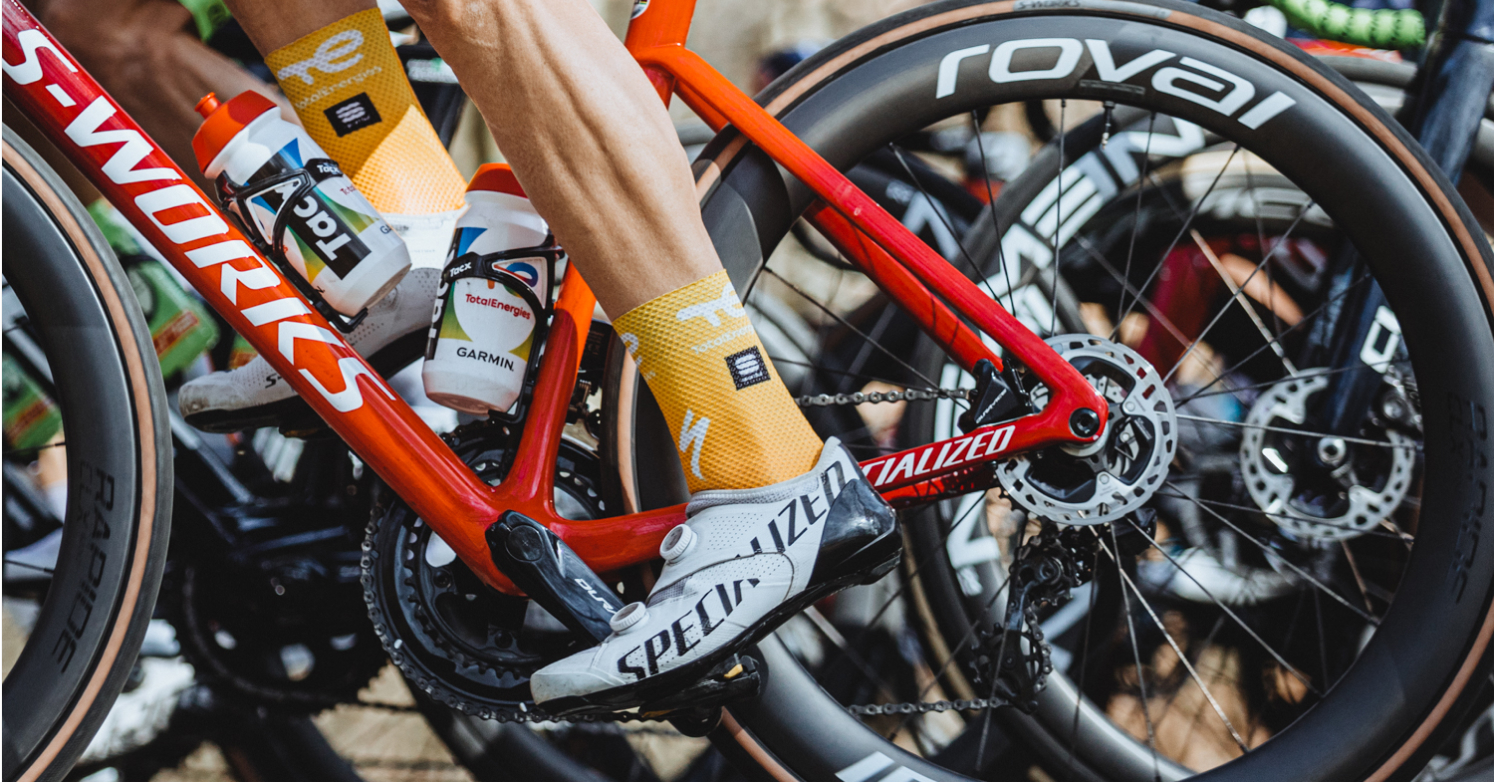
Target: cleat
x=744, y=562
x=254, y=395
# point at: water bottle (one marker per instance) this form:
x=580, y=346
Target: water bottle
x=286, y=190
x=493, y=298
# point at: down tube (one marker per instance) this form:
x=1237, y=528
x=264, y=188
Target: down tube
x=189, y=230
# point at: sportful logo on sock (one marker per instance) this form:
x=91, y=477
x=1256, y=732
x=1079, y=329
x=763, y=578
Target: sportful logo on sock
x=355, y=113
x=747, y=368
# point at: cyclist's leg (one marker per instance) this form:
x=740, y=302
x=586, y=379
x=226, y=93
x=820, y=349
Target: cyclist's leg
x=337, y=55
x=148, y=55
x=587, y=134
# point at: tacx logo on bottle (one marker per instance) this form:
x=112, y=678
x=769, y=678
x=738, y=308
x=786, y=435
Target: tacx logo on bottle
x=317, y=228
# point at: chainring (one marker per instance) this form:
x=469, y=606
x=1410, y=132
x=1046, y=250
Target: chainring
x=1117, y=474
x=280, y=622
x=1319, y=502
x=459, y=641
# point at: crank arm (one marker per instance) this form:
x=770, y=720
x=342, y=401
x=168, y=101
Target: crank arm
x=542, y=565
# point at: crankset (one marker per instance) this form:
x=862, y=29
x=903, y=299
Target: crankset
x=473, y=648
x=268, y=604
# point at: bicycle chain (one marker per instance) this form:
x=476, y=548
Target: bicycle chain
x=530, y=713
x=908, y=395
x=916, y=707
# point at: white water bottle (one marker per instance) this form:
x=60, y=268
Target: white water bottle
x=279, y=177
x=493, y=298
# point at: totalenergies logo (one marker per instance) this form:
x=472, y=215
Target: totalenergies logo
x=520, y=269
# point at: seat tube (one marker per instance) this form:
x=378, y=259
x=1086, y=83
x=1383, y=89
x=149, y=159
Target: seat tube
x=659, y=23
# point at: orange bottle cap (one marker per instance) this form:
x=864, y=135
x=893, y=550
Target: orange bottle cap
x=497, y=178
x=224, y=121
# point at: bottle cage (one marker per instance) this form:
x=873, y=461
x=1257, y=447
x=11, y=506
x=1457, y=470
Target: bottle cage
x=236, y=201
x=485, y=266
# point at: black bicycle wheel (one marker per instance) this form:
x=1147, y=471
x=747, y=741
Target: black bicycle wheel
x=1371, y=187
x=972, y=551
x=74, y=329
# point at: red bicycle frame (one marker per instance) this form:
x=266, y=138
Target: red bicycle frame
x=190, y=231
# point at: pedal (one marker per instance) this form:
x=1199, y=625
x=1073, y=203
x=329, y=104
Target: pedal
x=696, y=710
x=542, y=565
x=997, y=397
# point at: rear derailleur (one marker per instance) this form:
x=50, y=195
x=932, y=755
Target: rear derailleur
x=1013, y=661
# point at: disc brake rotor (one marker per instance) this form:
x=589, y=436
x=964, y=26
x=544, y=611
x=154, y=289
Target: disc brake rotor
x=1119, y=472
x=1316, y=487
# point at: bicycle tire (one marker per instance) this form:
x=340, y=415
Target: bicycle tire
x=880, y=84
x=109, y=387
x=1385, y=83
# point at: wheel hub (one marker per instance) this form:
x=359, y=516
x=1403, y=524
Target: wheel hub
x=1093, y=483
x=1315, y=487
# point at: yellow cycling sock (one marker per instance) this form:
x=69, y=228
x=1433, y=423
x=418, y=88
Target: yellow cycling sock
x=350, y=91
x=735, y=424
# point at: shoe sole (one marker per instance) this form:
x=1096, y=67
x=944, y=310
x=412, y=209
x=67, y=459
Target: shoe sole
x=878, y=558
x=294, y=413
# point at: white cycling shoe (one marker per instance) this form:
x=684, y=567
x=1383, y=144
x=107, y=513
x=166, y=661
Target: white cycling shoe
x=391, y=336
x=744, y=562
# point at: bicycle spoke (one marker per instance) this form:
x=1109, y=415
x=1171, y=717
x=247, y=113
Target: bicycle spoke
x=1220, y=314
x=949, y=659
x=29, y=566
x=35, y=449
x=1306, y=375
x=1146, y=159
x=1221, y=606
x=847, y=324
x=1152, y=311
x=1268, y=514
x=1358, y=578
x=1083, y=660
x=1202, y=650
x=1264, y=427
x=1290, y=329
x=1144, y=701
x=839, y=641
x=980, y=144
x=1192, y=673
x=1237, y=294
x=913, y=574
x=1188, y=223
x=1277, y=558
x=840, y=372
x=1063, y=133
x=944, y=220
